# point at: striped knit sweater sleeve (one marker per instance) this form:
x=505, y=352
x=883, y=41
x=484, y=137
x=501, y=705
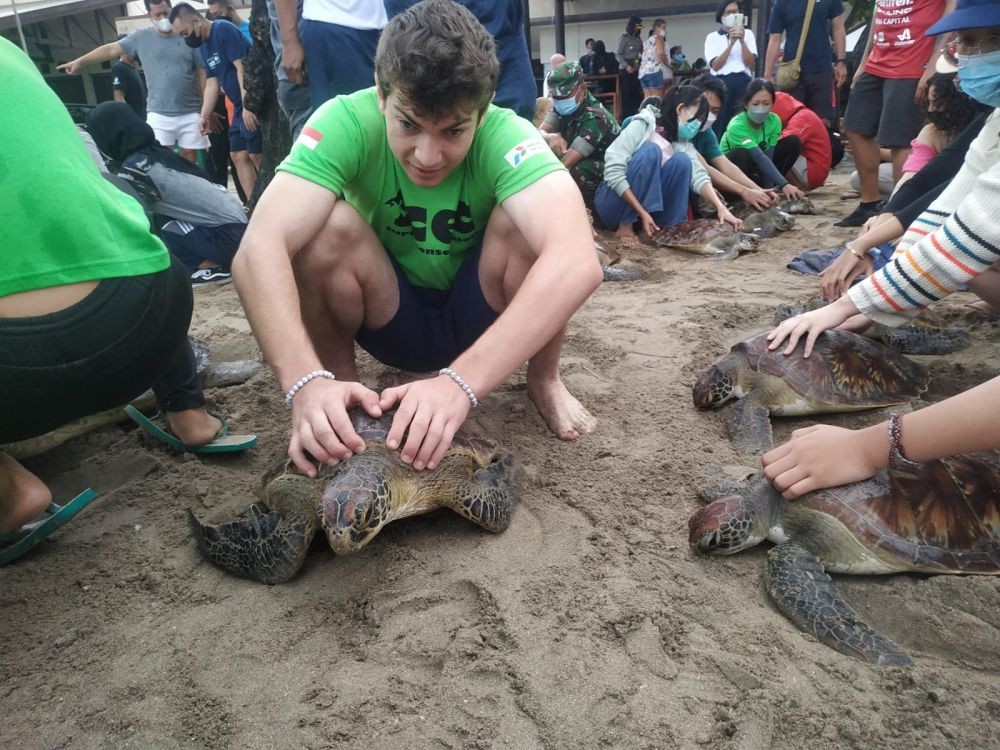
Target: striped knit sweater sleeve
x=954, y=240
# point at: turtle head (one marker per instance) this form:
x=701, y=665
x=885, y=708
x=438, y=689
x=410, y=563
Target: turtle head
x=784, y=221
x=351, y=516
x=735, y=522
x=717, y=385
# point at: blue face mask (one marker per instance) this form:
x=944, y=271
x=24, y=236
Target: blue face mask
x=979, y=76
x=689, y=129
x=758, y=114
x=679, y=57
x=565, y=107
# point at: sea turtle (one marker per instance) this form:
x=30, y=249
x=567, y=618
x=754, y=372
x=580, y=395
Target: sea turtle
x=768, y=223
x=939, y=517
x=845, y=372
x=923, y=334
x=613, y=271
x=707, y=237
x=352, y=501
x=800, y=206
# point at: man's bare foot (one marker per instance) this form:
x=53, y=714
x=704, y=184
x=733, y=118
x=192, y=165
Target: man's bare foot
x=564, y=415
x=23, y=496
x=194, y=426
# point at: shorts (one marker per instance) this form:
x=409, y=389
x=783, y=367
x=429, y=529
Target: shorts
x=180, y=130
x=241, y=139
x=341, y=60
x=652, y=81
x=432, y=327
x=192, y=245
x=883, y=108
x=815, y=90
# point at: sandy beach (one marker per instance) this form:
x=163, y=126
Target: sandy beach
x=590, y=623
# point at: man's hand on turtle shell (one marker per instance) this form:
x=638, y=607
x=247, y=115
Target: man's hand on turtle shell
x=791, y=192
x=321, y=426
x=758, y=198
x=823, y=456
x=433, y=410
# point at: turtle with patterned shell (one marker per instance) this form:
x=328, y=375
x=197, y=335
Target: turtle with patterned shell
x=846, y=372
x=707, y=237
x=939, y=517
x=352, y=501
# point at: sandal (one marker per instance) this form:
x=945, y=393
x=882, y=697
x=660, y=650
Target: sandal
x=223, y=442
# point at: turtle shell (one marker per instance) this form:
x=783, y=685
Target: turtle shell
x=844, y=369
x=692, y=234
x=939, y=517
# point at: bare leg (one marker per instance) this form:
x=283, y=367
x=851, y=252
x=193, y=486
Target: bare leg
x=191, y=154
x=899, y=156
x=987, y=287
x=345, y=280
x=245, y=171
x=255, y=160
x=23, y=496
x=866, y=157
x=506, y=260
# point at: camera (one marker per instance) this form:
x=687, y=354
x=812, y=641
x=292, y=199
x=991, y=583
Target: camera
x=739, y=20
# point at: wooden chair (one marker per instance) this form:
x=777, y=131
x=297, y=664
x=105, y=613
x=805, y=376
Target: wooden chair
x=610, y=99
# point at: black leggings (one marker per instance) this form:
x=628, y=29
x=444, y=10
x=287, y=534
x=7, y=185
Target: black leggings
x=783, y=157
x=125, y=336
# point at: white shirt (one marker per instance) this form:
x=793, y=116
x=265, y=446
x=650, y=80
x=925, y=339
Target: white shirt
x=355, y=14
x=715, y=45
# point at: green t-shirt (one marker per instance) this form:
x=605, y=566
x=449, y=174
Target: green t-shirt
x=740, y=133
x=62, y=222
x=427, y=230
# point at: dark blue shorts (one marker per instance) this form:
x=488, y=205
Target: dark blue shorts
x=341, y=60
x=241, y=139
x=432, y=327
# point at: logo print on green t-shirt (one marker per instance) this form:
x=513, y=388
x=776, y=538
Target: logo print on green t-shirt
x=446, y=226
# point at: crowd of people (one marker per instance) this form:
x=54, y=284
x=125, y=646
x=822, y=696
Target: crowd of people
x=426, y=219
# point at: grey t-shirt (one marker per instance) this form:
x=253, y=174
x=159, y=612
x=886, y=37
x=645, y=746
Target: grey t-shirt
x=272, y=12
x=170, y=68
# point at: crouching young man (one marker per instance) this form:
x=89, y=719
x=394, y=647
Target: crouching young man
x=436, y=230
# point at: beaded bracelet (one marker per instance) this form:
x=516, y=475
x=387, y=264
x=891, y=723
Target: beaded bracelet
x=896, y=458
x=310, y=377
x=461, y=384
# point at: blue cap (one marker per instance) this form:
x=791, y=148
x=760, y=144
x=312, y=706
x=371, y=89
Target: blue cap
x=968, y=14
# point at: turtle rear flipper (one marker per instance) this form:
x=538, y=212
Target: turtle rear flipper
x=750, y=427
x=805, y=594
x=265, y=547
x=919, y=339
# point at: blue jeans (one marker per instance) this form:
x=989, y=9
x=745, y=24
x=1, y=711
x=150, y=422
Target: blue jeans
x=662, y=190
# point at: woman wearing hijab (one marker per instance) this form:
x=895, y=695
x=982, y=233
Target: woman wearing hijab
x=200, y=222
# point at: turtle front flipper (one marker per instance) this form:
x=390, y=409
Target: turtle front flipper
x=265, y=547
x=750, y=427
x=488, y=498
x=804, y=592
x=614, y=272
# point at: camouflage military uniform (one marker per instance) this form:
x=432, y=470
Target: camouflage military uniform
x=589, y=130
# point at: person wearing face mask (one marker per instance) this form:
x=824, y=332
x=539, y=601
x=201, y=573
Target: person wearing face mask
x=753, y=141
x=731, y=51
x=579, y=128
x=678, y=60
x=629, y=53
x=645, y=182
x=600, y=62
x=224, y=10
x=683, y=116
x=654, y=68
x=726, y=176
x=173, y=100
x=955, y=241
x=223, y=50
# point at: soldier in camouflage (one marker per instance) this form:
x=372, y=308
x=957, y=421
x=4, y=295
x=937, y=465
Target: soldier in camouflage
x=579, y=128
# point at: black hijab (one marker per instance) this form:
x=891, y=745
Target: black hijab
x=119, y=132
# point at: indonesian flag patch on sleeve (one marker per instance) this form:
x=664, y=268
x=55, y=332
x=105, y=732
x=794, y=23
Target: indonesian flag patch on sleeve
x=524, y=150
x=310, y=137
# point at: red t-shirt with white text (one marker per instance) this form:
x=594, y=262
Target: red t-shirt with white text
x=900, y=45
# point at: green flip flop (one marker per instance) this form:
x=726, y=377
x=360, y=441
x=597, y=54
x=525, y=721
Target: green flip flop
x=15, y=544
x=222, y=443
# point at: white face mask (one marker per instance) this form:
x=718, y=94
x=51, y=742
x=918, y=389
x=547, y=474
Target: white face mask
x=708, y=123
x=163, y=25
x=727, y=21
